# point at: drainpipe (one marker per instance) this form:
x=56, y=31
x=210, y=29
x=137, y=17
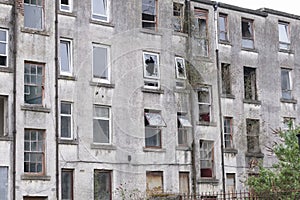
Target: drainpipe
x=56, y=99
x=219, y=96
x=15, y=31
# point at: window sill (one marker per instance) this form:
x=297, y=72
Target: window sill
x=182, y=90
x=182, y=34
x=251, y=101
x=282, y=100
x=67, y=142
x=158, y=150
x=108, y=24
x=152, y=32
x=99, y=84
x=6, y=138
x=250, y=50
x=206, y=124
x=212, y=181
x=228, y=96
x=256, y=155
x=103, y=146
x=35, y=177
x=183, y=148
x=34, y=31
x=230, y=150
x=225, y=42
x=289, y=51
x=6, y=69
x=154, y=91
x=68, y=78
x=66, y=13
x=35, y=108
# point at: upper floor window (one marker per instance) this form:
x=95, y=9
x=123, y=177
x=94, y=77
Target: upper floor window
x=228, y=132
x=206, y=158
x=284, y=35
x=34, y=151
x=250, y=90
x=286, y=83
x=247, y=33
x=66, y=120
x=3, y=115
x=226, y=78
x=65, y=57
x=288, y=123
x=101, y=65
x=153, y=128
x=183, y=125
x=3, y=48
x=178, y=17
x=223, y=34
x=201, y=17
x=66, y=5
x=180, y=68
x=33, y=83
x=33, y=14
x=204, y=103
x=151, y=70
x=252, y=128
x=149, y=14
x=102, y=125
x=100, y=10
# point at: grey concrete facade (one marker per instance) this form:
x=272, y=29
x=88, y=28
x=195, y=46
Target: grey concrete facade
x=110, y=112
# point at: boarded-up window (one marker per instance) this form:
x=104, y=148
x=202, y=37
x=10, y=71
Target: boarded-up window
x=154, y=181
x=247, y=34
x=4, y=183
x=284, y=35
x=230, y=184
x=206, y=158
x=33, y=14
x=226, y=78
x=250, y=90
x=102, y=184
x=3, y=116
x=184, y=183
x=101, y=124
x=286, y=86
x=252, y=126
x=67, y=184
x=101, y=69
x=3, y=47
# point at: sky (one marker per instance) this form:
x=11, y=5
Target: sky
x=289, y=6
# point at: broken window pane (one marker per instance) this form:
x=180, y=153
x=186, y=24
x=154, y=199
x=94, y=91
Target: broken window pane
x=201, y=31
x=284, y=37
x=247, y=33
x=149, y=14
x=102, y=184
x=250, y=91
x=99, y=10
x=33, y=14
x=65, y=56
x=252, y=135
x=100, y=63
x=180, y=68
x=184, y=121
x=154, y=119
x=286, y=84
x=151, y=65
x=101, y=124
x=178, y=17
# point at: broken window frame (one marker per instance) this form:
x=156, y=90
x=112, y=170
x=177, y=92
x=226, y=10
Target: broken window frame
x=228, y=132
x=29, y=76
x=105, y=65
x=288, y=123
x=68, y=56
x=148, y=23
x=226, y=78
x=183, y=126
x=223, y=31
x=180, y=61
x=152, y=185
x=207, y=159
x=184, y=180
x=34, y=137
x=286, y=84
x=4, y=42
x=208, y=118
x=107, y=119
x=250, y=86
x=284, y=35
x=67, y=184
x=178, y=17
x=66, y=7
x=31, y=4
x=102, y=186
x=153, y=130
x=252, y=130
x=248, y=36
x=4, y=116
x=69, y=117
x=151, y=81
x=101, y=16
x=203, y=41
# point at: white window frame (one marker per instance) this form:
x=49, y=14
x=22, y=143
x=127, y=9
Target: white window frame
x=109, y=119
x=42, y=14
x=5, y=115
x=69, y=57
x=180, y=60
x=98, y=16
x=108, y=64
x=6, y=47
x=284, y=45
x=205, y=89
x=69, y=116
x=151, y=82
x=230, y=132
x=66, y=7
